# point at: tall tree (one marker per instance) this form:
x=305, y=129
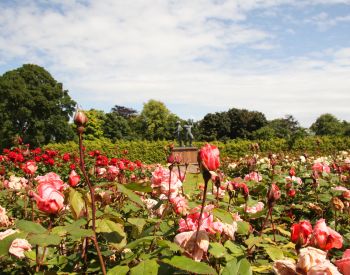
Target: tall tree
x=327, y=124
x=34, y=106
x=156, y=122
x=94, y=127
x=215, y=126
x=117, y=127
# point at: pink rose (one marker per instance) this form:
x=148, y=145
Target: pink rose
x=324, y=237
x=255, y=208
x=15, y=183
x=19, y=246
x=162, y=179
x=209, y=157
x=73, y=178
x=344, y=264
x=51, y=178
x=30, y=167
x=253, y=176
x=50, y=199
x=321, y=167
x=187, y=240
x=180, y=205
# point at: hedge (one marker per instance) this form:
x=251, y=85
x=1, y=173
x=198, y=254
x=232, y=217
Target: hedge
x=155, y=151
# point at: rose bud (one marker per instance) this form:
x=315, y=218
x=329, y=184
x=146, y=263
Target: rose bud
x=80, y=119
x=291, y=193
x=73, y=178
x=292, y=172
x=273, y=195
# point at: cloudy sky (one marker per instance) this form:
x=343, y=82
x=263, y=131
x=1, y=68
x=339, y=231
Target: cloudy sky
x=197, y=56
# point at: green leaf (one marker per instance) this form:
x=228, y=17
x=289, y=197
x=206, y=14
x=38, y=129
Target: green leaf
x=138, y=223
x=147, y=267
x=187, y=264
x=44, y=239
x=237, y=268
x=217, y=250
x=82, y=233
x=223, y=215
x=143, y=240
x=118, y=270
x=172, y=246
x=112, y=232
x=76, y=202
x=274, y=252
x=243, y=227
x=130, y=194
x=139, y=187
x=236, y=250
x=30, y=227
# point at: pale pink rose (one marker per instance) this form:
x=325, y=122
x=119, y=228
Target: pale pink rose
x=112, y=172
x=51, y=178
x=219, y=192
x=19, y=246
x=229, y=229
x=150, y=204
x=324, y=237
x=4, y=219
x=325, y=268
x=253, y=176
x=346, y=192
x=180, y=205
x=284, y=267
x=309, y=257
x=162, y=179
x=15, y=183
x=294, y=179
x=217, y=226
x=236, y=217
x=187, y=240
x=255, y=208
x=344, y=263
x=190, y=223
x=6, y=233
x=101, y=172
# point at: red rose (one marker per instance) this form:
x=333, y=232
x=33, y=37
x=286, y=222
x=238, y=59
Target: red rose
x=326, y=238
x=292, y=172
x=291, y=193
x=209, y=157
x=73, y=178
x=300, y=232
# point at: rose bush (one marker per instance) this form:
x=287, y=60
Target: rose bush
x=118, y=215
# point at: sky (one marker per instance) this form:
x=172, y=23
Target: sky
x=278, y=57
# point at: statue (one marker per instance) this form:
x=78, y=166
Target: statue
x=188, y=133
x=178, y=133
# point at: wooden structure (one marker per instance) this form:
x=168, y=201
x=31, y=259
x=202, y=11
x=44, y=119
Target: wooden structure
x=186, y=154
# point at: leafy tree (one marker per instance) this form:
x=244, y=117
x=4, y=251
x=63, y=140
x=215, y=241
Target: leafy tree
x=94, y=127
x=285, y=127
x=34, y=106
x=327, y=124
x=156, y=122
x=116, y=127
x=215, y=126
x=244, y=122
x=124, y=112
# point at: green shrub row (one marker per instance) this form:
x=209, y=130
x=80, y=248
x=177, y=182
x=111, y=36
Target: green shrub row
x=155, y=151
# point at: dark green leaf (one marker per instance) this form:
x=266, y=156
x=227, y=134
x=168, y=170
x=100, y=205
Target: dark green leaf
x=30, y=227
x=147, y=267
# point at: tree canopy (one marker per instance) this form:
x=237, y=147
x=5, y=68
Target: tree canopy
x=34, y=106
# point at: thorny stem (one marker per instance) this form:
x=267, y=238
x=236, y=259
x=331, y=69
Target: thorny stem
x=265, y=221
x=93, y=204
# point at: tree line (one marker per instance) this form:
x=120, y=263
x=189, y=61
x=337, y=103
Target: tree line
x=36, y=108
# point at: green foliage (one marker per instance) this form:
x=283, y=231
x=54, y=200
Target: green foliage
x=94, y=127
x=327, y=124
x=153, y=151
x=34, y=106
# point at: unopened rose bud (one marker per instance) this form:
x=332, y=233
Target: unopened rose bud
x=273, y=195
x=80, y=119
x=292, y=172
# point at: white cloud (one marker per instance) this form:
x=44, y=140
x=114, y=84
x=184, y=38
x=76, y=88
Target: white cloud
x=180, y=52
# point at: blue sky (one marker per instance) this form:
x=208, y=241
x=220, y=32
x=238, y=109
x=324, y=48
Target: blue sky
x=275, y=56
